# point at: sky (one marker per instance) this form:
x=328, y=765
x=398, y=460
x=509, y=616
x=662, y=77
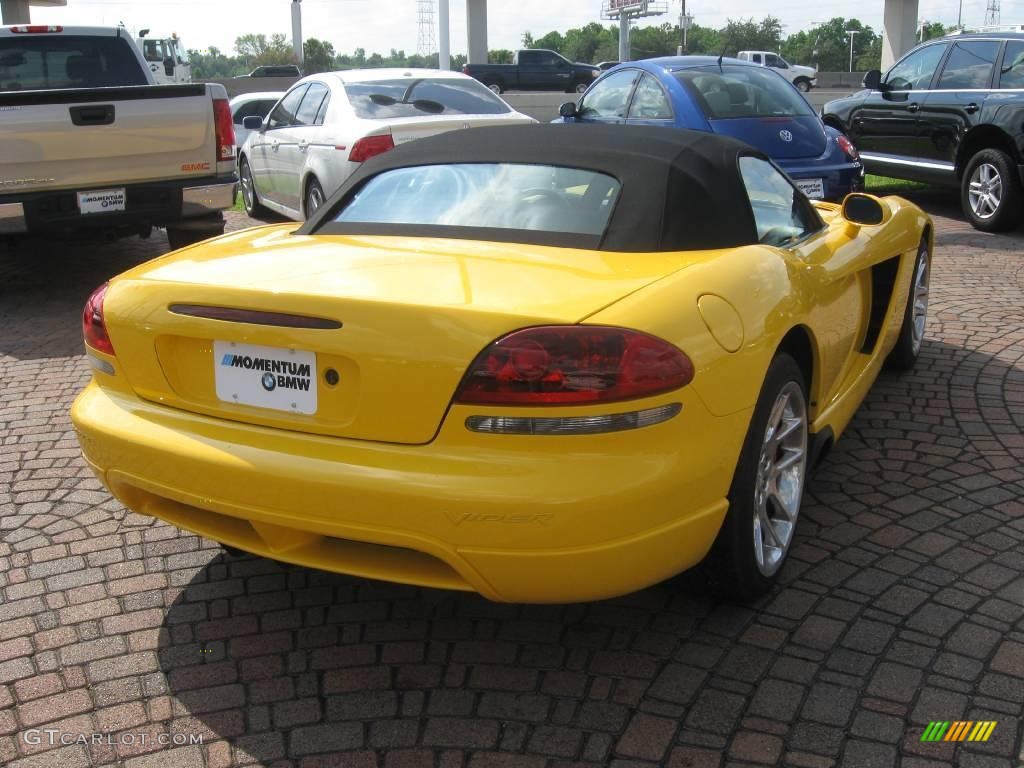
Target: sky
x=380, y=25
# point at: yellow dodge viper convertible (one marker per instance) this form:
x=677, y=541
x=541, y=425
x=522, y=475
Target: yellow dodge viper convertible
x=540, y=364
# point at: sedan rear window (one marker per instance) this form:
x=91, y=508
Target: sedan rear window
x=382, y=99
x=729, y=92
x=45, y=62
x=487, y=195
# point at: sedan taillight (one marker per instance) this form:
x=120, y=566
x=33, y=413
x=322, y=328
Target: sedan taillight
x=93, y=327
x=370, y=146
x=573, y=364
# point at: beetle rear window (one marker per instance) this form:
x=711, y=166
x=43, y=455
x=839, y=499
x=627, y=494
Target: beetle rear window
x=487, y=195
x=743, y=91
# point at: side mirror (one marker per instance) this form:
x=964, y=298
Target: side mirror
x=252, y=123
x=569, y=109
x=863, y=210
x=872, y=80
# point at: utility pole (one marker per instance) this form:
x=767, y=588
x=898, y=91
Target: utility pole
x=297, y=30
x=852, y=33
x=444, y=56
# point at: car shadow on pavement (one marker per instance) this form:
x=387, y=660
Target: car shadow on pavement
x=286, y=662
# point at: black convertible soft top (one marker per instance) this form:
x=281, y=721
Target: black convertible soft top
x=680, y=190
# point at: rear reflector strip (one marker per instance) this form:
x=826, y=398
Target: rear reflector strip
x=572, y=425
x=254, y=317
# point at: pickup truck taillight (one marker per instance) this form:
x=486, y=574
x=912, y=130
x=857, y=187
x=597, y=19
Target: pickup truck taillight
x=224, y=129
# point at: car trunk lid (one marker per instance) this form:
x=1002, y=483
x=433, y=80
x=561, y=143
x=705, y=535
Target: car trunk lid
x=779, y=137
x=408, y=315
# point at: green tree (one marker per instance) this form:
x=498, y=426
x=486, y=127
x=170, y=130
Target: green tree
x=749, y=35
x=317, y=56
x=500, y=56
x=582, y=44
x=932, y=29
x=256, y=49
x=552, y=41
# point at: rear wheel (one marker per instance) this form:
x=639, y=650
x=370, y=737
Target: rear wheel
x=803, y=84
x=495, y=86
x=990, y=191
x=314, y=197
x=908, y=344
x=250, y=199
x=580, y=87
x=767, y=489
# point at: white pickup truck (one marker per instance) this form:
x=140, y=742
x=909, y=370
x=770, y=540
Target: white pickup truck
x=803, y=78
x=89, y=144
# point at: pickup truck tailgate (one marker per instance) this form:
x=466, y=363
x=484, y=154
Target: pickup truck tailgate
x=70, y=138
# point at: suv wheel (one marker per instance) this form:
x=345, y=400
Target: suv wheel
x=990, y=191
x=803, y=84
x=580, y=87
x=496, y=87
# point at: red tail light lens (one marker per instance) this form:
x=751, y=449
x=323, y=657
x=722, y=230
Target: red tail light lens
x=574, y=364
x=847, y=146
x=33, y=29
x=93, y=327
x=224, y=129
x=369, y=146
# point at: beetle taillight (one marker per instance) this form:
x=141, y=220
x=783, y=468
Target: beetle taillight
x=574, y=364
x=94, y=329
x=847, y=146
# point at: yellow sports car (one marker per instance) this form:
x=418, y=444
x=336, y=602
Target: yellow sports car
x=540, y=364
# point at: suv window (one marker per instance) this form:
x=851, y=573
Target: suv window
x=969, y=65
x=539, y=59
x=1011, y=74
x=771, y=60
x=44, y=62
x=915, y=71
x=284, y=113
x=781, y=212
x=650, y=101
x=307, y=111
x=610, y=96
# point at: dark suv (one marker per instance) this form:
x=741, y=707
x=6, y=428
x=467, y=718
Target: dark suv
x=950, y=112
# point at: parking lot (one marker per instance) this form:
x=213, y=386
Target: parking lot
x=903, y=601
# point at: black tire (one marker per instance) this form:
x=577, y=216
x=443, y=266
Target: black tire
x=802, y=84
x=990, y=191
x=903, y=356
x=250, y=200
x=194, y=232
x=578, y=88
x=733, y=564
x=314, y=197
x=495, y=86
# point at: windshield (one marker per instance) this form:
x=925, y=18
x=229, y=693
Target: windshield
x=382, y=99
x=487, y=195
x=739, y=91
x=50, y=61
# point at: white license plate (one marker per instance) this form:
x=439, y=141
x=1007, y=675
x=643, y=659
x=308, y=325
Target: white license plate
x=101, y=200
x=813, y=188
x=266, y=377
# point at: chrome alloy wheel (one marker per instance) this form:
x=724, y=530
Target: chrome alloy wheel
x=985, y=190
x=919, y=297
x=316, y=199
x=781, y=472
x=246, y=181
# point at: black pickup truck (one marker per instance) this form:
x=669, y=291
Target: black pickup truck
x=535, y=69
x=950, y=112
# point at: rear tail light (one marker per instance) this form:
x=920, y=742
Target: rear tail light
x=35, y=29
x=370, y=146
x=573, y=364
x=93, y=327
x=847, y=146
x=224, y=129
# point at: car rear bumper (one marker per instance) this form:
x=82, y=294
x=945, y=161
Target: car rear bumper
x=838, y=179
x=151, y=204
x=575, y=518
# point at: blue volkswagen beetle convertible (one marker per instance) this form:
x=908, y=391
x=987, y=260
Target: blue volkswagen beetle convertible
x=730, y=97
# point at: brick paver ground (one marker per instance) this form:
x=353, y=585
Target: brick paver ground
x=903, y=601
